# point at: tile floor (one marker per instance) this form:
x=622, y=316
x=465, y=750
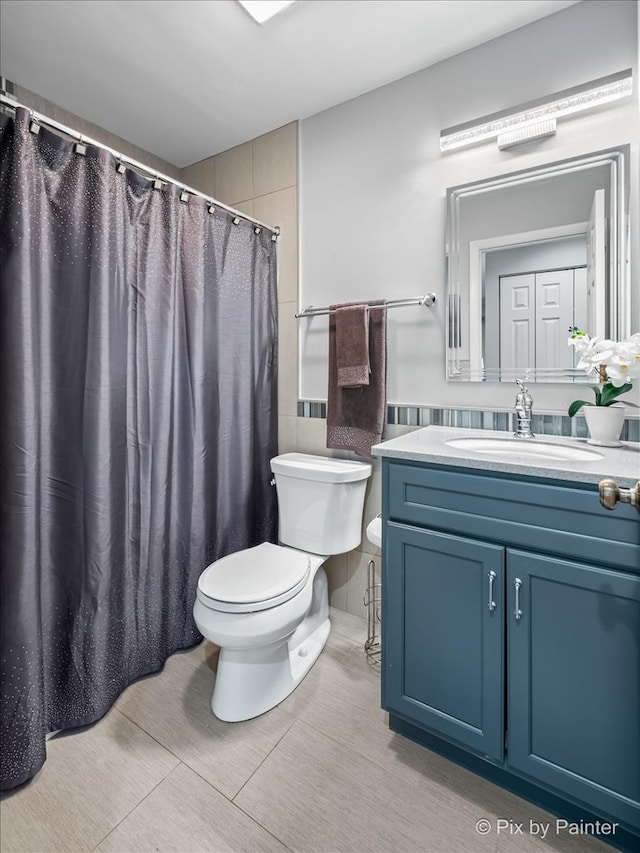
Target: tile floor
x=320, y=773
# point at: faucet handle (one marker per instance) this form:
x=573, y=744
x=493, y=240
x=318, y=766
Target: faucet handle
x=524, y=404
x=523, y=397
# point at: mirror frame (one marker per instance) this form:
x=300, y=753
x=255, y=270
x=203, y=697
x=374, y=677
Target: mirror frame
x=617, y=297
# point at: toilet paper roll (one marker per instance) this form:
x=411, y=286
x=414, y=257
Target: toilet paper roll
x=374, y=532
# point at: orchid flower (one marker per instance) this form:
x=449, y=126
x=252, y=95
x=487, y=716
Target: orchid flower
x=613, y=363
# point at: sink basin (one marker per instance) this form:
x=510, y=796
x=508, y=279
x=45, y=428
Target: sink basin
x=525, y=448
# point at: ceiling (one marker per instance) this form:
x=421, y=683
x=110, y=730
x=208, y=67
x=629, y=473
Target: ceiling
x=188, y=79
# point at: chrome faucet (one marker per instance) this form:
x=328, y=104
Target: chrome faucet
x=524, y=403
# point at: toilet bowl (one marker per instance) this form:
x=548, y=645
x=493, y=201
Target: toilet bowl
x=267, y=607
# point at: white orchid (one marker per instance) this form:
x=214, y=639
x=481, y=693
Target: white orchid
x=624, y=364
x=593, y=352
x=613, y=363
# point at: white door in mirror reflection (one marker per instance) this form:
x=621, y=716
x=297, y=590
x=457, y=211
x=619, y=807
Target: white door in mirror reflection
x=596, y=271
x=532, y=293
x=536, y=311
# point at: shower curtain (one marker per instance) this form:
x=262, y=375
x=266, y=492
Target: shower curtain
x=138, y=417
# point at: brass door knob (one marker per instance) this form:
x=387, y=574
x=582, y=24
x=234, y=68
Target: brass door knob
x=610, y=494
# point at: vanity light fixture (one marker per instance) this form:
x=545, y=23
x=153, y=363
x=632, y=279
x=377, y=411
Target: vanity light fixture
x=264, y=10
x=526, y=132
x=537, y=118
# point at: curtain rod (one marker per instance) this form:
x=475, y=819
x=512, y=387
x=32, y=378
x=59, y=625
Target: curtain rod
x=426, y=301
x=40, y=118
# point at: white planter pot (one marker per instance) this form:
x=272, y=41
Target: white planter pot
x=605, y=424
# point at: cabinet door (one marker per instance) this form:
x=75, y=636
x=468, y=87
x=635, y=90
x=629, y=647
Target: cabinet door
x=574, y=680
x=443, y=637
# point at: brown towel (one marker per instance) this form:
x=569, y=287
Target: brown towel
x=352, y=345
x=356, y=416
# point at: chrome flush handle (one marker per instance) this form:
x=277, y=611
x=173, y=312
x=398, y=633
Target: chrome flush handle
x=610, y=494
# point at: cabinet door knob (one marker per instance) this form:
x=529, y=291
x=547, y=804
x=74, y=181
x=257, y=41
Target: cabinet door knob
x=517, y=612
x=492, y=605
x=610, y=494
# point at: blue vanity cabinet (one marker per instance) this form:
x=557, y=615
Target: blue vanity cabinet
x=574, y=680
x=448, y=594
x=511, y=634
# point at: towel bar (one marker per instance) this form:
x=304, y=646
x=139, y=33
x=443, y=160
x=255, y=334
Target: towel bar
x=427, y=301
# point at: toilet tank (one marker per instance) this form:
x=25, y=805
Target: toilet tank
x=320, y=502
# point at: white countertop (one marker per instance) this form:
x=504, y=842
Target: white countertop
x=428, y=444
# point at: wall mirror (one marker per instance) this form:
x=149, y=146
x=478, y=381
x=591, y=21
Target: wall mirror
x=530, y=254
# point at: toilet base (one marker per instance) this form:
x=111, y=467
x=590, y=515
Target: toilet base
x=250, y=682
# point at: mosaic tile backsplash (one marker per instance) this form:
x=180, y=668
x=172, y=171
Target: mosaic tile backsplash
x=420, y=417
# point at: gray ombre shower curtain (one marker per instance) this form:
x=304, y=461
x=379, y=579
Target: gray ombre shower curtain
x=138, y=415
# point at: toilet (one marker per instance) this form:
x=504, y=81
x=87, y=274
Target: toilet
x=267, y=607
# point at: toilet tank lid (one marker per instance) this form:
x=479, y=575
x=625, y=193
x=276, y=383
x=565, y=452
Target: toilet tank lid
x=322, y=468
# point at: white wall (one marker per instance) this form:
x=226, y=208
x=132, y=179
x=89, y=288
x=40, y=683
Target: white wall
x=372, y=185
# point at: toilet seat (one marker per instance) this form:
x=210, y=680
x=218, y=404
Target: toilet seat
x=254, y=579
